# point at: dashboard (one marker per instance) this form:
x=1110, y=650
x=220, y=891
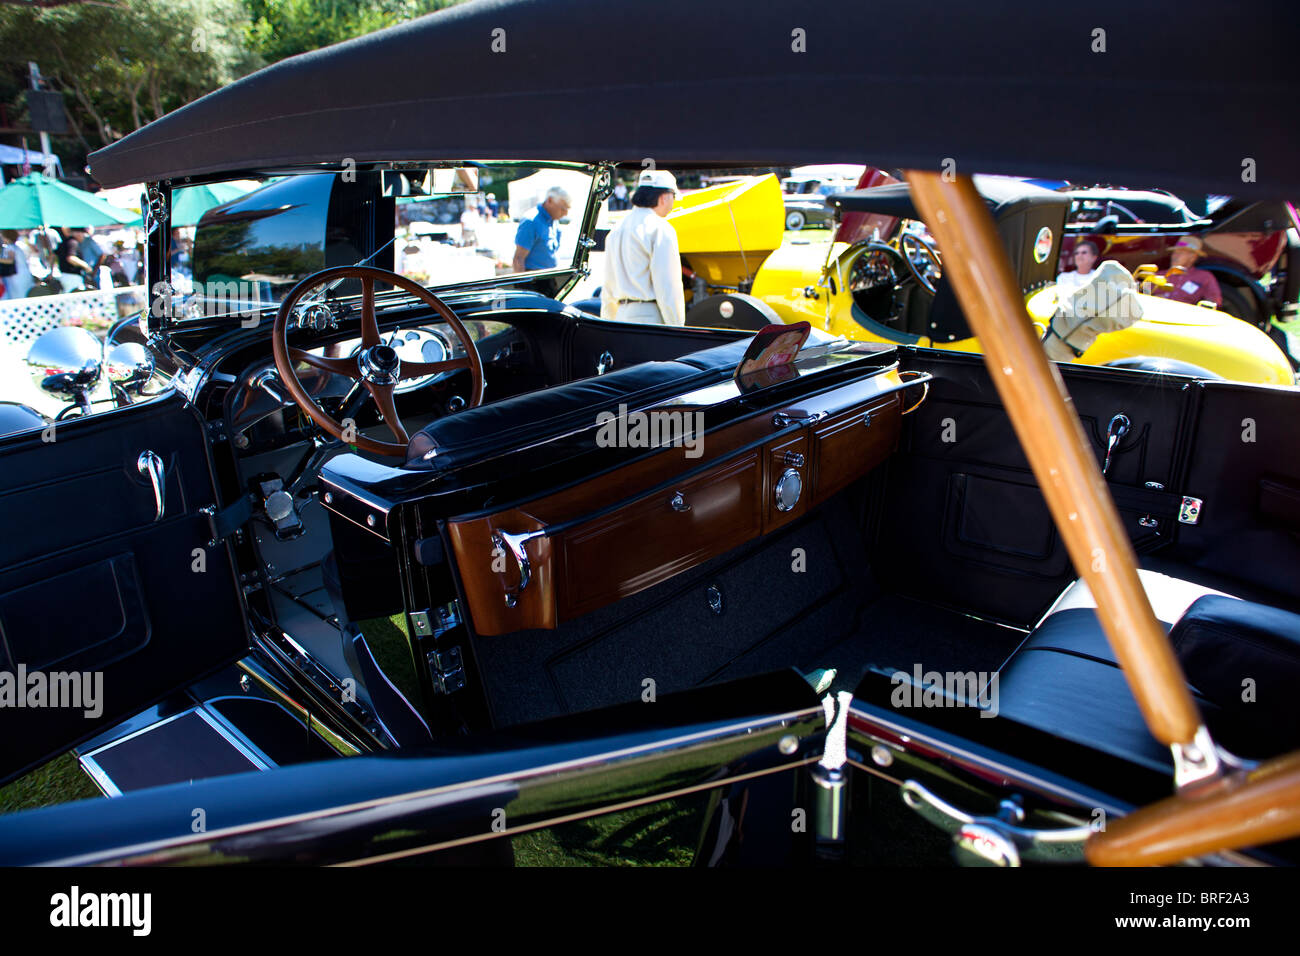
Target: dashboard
x=260, y=415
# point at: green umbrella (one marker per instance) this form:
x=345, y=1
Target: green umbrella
x=34, y=201
x=189, y=204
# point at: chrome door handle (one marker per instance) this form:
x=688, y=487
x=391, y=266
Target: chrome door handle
x=605, y=362
x=1119, y=427
x=150, y=464
x=514, y=543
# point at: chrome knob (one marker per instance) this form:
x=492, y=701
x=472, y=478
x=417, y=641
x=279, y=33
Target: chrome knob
x=793, y=458
x=678, y=502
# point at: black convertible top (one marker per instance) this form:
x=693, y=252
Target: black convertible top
x=895, y=199
x=1180, y=100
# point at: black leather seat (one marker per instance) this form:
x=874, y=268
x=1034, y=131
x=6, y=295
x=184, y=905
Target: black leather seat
x=549, y=412
x=1065, y=678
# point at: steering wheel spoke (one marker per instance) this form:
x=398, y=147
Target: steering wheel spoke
x=369, y=327
x=418, y=369
x=339, y=366
x=383, y=396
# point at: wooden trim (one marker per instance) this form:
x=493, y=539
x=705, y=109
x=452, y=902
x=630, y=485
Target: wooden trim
x=696, y=535
x=1243, y=810
x=1062, y=460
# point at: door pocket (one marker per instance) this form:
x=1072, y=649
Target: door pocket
x=81, y=620
x=1004, y=523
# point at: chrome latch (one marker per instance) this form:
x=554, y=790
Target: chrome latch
x=1190, y=512
x=999, y=840
x=781, y=419
x=1119, y=427
x=1147, y=521
x=148, y=463
x=514, y=543
x=605, y=362
x=678, y=502
x=446, y=670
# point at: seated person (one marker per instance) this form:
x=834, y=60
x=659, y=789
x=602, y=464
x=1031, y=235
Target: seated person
x=1105, y=301
x=1086, y=254
x=1183, y=281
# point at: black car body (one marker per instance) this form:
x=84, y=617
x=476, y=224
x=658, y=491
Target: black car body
x=591, y=625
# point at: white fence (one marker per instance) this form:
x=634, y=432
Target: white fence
x=22, y=321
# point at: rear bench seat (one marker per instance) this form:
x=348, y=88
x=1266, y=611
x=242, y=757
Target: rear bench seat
x=1065, y=679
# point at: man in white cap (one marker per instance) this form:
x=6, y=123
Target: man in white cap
x=643, y=268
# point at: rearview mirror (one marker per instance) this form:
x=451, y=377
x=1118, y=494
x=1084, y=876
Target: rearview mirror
x=430, y=182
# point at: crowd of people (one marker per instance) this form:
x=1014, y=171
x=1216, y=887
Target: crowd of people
x=1181, y=282
x=49, y=261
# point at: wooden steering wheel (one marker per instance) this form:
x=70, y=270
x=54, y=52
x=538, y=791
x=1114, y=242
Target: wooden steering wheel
x=377, y=365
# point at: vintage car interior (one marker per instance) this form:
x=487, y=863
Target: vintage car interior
x=627, y=574
x=848, y=517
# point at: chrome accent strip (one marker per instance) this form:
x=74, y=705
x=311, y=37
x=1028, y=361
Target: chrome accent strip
x=770, y=722
x=1015, y=774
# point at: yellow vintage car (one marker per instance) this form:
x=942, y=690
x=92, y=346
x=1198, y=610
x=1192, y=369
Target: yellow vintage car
x=890, y=287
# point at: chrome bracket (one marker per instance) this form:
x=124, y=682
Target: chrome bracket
x=1190, y=511
x=155, y=207
x=1197, y=761
x=604, y=184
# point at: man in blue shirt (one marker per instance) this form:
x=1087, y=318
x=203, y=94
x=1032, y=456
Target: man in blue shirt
x=538, y=235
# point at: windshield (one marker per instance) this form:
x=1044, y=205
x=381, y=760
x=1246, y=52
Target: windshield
x=440, y=227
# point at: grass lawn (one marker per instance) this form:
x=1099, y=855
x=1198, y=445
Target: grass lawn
x=660, y=834
x=59, y=781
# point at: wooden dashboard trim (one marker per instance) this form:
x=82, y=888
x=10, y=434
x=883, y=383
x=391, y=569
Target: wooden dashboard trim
x=616, y=566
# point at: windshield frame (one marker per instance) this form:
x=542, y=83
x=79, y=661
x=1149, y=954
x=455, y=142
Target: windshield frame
x=163, y=316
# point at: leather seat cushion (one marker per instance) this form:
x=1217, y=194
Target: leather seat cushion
x=1246, y=658
x=550, y=412
x=1065, y=678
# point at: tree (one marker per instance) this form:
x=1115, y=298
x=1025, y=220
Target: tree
x=282, y=28
x=124, y=64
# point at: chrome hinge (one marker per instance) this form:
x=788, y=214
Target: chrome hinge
x=1190, y=512
x=446, y=670
x=433, y=622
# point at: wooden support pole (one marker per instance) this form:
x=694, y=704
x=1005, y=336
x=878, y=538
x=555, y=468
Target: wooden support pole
x=1060, y=455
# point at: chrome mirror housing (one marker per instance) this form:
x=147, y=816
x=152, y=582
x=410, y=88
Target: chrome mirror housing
x=129, y=366
x=66, y=361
